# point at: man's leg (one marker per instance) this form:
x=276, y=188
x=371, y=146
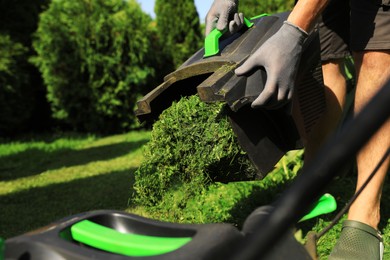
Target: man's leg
x=370, y=39
x=335, y=95
x=373, y=71
x=359, y=237
x=333, y=26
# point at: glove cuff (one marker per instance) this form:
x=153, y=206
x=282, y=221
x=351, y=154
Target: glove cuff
x=295, y=30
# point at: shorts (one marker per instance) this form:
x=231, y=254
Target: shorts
x=334, y=29
x=356, y=26
x=370, y=25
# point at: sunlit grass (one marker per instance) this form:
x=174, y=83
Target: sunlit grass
x=44, y=180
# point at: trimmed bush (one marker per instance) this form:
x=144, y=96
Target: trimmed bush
x=95, y=56
x=192, y=144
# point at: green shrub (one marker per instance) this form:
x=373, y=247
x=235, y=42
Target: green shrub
x=16, y=100
x=178, y=29
x=252, y=8
x=23, y=105
x=19, y=19
x=95, y=56
x=191, y=145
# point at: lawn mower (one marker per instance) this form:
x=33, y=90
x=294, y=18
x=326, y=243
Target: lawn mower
x=267, y=232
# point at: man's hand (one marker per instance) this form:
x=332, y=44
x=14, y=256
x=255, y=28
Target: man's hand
x=223, y=15
x=279, y=56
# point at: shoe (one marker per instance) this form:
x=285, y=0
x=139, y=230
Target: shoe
x=358, y=241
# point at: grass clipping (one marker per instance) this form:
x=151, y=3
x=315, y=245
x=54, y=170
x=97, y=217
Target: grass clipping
x=192, y=144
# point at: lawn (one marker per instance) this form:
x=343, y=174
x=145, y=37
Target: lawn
x=47, y=178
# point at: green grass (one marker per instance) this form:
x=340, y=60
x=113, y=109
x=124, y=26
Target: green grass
x=217, y=202
x=48, y=178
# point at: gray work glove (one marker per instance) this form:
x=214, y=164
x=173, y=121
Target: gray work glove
x=279, y=56
x=223, y=15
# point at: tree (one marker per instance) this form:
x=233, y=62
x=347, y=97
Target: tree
x=22, y=95
x=178, y=29
x=95, y=56
x=252, y=8
x=15, y=96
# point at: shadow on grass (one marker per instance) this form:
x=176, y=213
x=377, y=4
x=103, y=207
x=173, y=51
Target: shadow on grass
x=342, y=188
x=28, y=210
x=258, y=197
x=34, y=161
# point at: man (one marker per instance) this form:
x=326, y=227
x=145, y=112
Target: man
x=370, y=45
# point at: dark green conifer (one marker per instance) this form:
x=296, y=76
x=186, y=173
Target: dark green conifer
x=95, y=56
x=178, y=28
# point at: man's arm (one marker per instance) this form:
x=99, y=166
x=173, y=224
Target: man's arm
x=306, y=12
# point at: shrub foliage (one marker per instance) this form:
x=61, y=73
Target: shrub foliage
x=94, y=56
x=178, y=29
x=15, y=94
x=252, y=8
x=192, y=144
x=22, y=95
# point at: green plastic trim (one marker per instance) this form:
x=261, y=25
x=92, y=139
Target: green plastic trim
x=259, y=16
x=211, y=42
x=326, y=204
x=248, y=23
x=110, y=240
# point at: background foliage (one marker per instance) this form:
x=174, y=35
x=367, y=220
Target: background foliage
x=94, y=57
x=251, y=8
x=22, y=95
x=178, y=29
x=15, y=105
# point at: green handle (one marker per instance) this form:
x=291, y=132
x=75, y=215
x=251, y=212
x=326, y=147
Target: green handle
x=326, y=204
x=110, y=240
x=211, y=42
